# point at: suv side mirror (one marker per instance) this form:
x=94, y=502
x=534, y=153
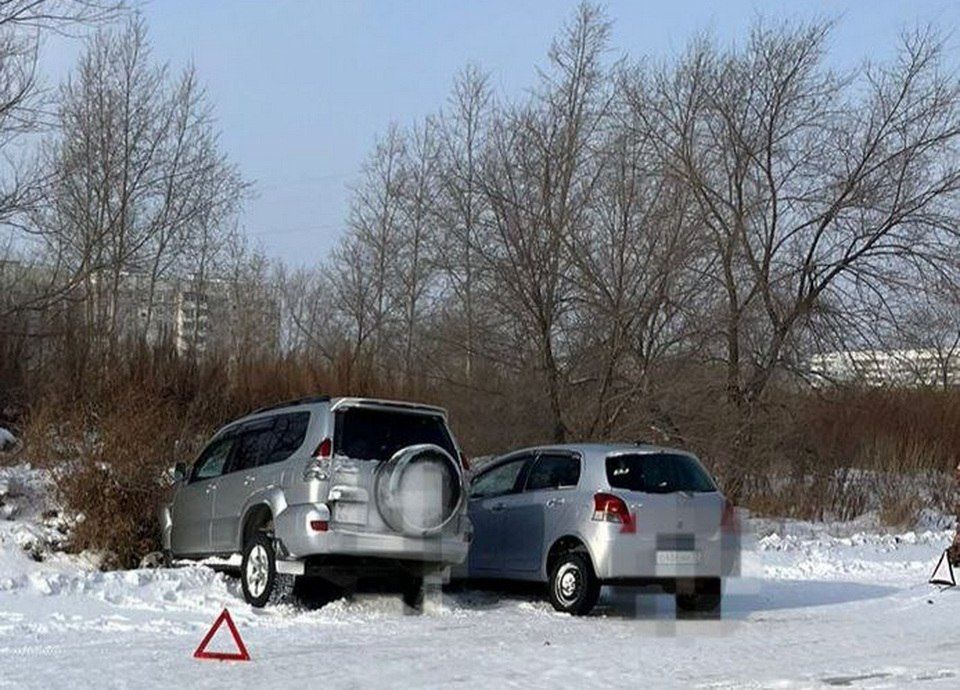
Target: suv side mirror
x=180, y=472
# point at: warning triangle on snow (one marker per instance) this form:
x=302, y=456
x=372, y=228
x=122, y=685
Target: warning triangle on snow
x=943, y=573
x=241, y=653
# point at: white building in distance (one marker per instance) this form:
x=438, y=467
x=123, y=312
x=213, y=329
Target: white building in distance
x=919, y=367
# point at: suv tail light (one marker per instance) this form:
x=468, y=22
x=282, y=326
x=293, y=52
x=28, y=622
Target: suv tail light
x=610, y=508
x=464, y=463
x=325, y=450
x=318, y=467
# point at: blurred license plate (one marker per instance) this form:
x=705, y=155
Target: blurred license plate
x=678, y=557
x=355, y=513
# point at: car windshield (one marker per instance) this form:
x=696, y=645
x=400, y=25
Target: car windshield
x=376, y=434
x=658, y=473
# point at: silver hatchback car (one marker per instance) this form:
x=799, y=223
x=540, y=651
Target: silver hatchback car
x=340, y=489
x=581, y=516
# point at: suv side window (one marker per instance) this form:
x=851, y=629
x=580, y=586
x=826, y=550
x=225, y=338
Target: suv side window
x=552, y=471
x=213, y=459
x=288, y=435
x=255, y=442
x=500, y=480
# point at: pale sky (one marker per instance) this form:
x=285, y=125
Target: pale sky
x=302, y=89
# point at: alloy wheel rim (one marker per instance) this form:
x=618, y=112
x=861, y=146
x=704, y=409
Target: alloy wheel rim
x=258, y=570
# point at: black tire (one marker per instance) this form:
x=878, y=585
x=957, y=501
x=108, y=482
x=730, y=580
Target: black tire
x=413, y=594
x=574, y=588
x=261, y=582
x=705, y=598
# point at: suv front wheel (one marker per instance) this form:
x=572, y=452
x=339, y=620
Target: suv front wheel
x=261, y=582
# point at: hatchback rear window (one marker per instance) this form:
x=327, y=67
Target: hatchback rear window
x=374, y=434
x=658, y=473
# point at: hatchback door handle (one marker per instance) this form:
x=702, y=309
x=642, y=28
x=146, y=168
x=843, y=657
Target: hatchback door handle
x=497, y=507
x=249, y=479
x=554, y=502
x=210, y=488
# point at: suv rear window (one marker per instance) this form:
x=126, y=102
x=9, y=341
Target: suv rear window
x=374, y=434
x=658, y=473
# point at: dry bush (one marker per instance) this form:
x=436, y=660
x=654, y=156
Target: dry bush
x=858, y=450
x=111, y=437
x=111, y=442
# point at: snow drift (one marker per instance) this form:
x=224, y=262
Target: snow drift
x=819, y=605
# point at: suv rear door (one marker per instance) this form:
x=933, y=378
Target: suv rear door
x=262, y=447
x=192, y=508
x=238, y=482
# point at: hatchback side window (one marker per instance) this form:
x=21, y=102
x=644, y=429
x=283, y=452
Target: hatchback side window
x=213, y=459
x=552, y=471
x=498, y=481
x=288, y=435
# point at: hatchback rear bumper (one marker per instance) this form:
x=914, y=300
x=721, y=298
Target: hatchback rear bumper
x=620, y=557
x=293, y=529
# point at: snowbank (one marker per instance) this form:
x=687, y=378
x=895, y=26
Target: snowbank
x=819, y=605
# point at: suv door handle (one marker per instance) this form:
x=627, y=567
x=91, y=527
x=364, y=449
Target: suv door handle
x=249, y=479
x=210, y=488
x=555, y=502
x=497, y=507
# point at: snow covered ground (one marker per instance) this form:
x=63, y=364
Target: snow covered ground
x=818, y=606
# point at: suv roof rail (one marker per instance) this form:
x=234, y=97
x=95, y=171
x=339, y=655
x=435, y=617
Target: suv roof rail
x=292, y=403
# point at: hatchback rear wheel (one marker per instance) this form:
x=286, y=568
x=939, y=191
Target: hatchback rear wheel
x=574, y=588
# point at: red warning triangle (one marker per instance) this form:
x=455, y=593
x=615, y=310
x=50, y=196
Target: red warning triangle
x=241, y=653
x=943, y=573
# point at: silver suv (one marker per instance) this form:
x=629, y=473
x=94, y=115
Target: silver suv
x=337, y=488
x=581, y=516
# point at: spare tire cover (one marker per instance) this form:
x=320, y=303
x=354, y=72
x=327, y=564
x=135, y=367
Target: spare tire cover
x=419, y=490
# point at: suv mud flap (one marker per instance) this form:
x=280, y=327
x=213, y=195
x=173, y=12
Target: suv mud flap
x=290, y=567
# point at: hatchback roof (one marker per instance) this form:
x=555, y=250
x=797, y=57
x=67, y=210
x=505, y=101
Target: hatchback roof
x=600, y=448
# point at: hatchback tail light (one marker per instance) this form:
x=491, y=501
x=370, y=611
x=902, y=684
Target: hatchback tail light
x=610, y=508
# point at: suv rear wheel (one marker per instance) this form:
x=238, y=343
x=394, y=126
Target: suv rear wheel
x=261, y=582
x=574, y=588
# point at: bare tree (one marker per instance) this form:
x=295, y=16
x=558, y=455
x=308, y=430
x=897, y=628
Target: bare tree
x=414, y=260
x=24, y=104
x=540, y=178
x=812, y=186
x=375, y=219
x=635, y=264
x=461, y=205
x=137, y=173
